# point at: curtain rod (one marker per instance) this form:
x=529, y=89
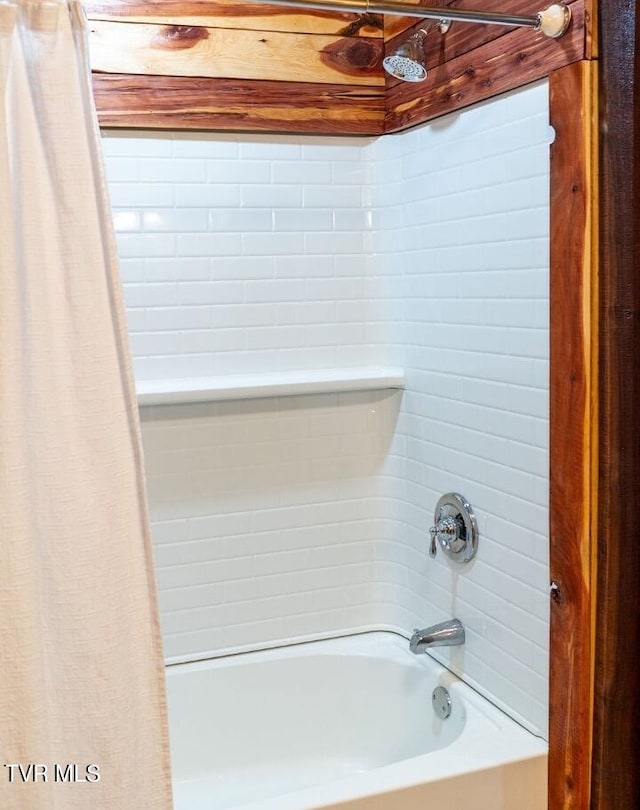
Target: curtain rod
x=552, y=21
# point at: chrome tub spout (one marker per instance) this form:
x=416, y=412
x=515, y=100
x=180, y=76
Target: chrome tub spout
x=445, y=634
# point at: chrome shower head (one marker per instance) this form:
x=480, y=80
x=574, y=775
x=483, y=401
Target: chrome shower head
x=408, y=61
x=405, y=66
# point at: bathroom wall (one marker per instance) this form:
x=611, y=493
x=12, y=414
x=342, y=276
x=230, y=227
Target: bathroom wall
x=293, y=518
x=244, y=254
x=267, y=516
x=462, y=235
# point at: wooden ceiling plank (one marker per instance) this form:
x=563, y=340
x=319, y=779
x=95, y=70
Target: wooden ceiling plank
x=176, y=50
x=231, y=14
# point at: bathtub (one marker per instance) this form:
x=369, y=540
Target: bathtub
x=345, y=723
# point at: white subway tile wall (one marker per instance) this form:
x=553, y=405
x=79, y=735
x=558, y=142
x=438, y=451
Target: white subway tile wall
x=286, y=519
x=468, y=201
x=267, y=518
x=242, y=253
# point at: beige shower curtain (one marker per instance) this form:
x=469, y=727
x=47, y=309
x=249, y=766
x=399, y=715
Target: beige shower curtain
x=82, y=714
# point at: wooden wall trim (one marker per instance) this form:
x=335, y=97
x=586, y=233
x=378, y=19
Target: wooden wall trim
x=616, y=771
x=157, y=102
x=238, y=66
x=573, y=435
x=239, y=43
x=483, y=69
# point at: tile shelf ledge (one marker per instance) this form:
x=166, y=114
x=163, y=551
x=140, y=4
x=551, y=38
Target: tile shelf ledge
x=263, y=385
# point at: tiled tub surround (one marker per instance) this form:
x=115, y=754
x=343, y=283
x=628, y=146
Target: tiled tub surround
x=268, y=519
x=427, y=251
x=468, y=201
x=243, y=254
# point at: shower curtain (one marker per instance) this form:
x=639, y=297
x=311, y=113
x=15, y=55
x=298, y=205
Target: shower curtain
x=82, y=705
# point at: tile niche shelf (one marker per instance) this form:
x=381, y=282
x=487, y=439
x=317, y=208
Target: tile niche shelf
x=263, y=385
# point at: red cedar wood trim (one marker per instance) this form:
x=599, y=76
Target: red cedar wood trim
x=159, y=102
x=461, y=38
x=572, y=440
x=500, y=65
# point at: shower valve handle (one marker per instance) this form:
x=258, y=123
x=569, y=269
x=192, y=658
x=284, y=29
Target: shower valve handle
x=445, y=532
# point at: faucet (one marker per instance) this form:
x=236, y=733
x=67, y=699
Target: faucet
x=445, y=634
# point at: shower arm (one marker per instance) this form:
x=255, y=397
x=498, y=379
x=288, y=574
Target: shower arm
x=553, y=21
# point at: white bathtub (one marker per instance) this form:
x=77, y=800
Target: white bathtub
x=345, y=723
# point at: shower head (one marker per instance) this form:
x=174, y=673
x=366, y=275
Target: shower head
x=408, y=61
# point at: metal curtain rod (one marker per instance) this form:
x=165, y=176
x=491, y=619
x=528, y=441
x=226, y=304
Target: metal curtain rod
x=552, y=21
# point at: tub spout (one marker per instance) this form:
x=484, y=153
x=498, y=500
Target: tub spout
x=446, y=634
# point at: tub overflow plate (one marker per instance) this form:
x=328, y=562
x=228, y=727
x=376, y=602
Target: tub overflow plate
x=441, y=702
